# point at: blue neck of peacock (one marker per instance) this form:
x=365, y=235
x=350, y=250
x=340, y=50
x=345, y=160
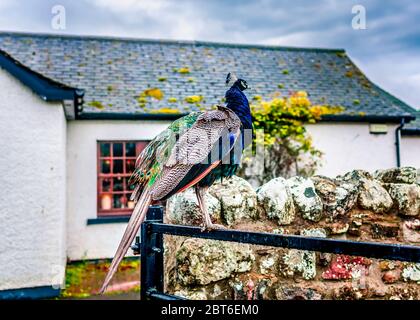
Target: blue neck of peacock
x=238, y=102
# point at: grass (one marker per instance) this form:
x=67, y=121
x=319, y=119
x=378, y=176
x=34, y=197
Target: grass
x=84, y=278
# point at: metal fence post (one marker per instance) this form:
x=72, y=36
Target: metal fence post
x=151, y=250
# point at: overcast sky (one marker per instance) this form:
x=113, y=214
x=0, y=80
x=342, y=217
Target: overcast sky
x=387, y=50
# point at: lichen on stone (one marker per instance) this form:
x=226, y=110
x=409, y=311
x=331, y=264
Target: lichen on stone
x=267, y=264
x=406, y=197
x=338, y=196
x=276, y=199
x=301, y=261
x=412, y=272
x=305, y=198
x=397, y=175
x=182, y=208
x=237, y=197
x=204, y=261
x=373, y=196
x=314, y=232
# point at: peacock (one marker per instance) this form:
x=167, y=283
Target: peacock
x=194, y=151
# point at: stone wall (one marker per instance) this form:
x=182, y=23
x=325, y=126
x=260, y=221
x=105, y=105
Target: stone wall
x=383, y=206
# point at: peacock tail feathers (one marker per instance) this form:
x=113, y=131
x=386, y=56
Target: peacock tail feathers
x=182, y=156
x=149, y=164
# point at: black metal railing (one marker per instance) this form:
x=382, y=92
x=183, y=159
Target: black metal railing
x=150, y=247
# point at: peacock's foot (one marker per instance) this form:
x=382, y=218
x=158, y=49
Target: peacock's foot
x=213, y=226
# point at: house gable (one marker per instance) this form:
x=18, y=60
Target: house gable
x=46, y=88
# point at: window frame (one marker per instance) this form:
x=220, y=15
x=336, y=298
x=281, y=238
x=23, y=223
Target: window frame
x=114, y=212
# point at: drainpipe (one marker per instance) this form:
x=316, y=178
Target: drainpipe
x=398, y=141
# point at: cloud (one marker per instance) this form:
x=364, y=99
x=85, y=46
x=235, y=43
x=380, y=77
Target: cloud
x=129, y=6
x=398, y=73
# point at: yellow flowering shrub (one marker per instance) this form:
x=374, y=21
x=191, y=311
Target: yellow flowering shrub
x=285, y=137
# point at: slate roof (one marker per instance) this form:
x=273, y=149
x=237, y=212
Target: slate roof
x=113, y=72
x=48, y=89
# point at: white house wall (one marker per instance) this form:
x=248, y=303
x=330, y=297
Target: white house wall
x=346, y=146
x=410, y=151
x=32, y=180
x=349, y=146
x=98, y=240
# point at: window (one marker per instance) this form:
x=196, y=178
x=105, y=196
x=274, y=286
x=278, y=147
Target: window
x=116, y=162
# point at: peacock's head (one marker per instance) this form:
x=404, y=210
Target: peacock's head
x=242, y=84
x=232, y=80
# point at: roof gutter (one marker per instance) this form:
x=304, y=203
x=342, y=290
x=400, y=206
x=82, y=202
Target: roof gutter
x=365, y=118
x=410, y=131
x=174, y=116
x=129, y=116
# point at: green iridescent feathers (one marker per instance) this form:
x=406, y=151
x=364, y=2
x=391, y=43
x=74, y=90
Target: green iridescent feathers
x=150, y=162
